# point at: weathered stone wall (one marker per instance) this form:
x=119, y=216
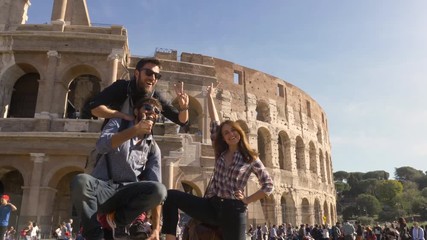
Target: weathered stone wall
x=13, y=13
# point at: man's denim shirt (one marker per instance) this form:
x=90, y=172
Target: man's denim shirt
x=129, y=162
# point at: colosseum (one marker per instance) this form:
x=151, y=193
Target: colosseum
x=48, y=71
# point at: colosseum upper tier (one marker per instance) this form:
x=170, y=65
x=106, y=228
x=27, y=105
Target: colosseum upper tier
x=49, y=71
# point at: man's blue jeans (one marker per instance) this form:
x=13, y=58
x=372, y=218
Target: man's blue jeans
x=91, y=196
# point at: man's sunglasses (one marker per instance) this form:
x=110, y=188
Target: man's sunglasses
x=150, y=108
x=150, y=72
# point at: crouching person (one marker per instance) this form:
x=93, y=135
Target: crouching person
x=126, y=180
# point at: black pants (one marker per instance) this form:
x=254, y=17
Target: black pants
x=3, y=230
x=229, y=215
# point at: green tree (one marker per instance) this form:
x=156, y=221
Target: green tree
x=368, y=186
x=422, y=182
x=387, y=190
x=406, y=200
x=341, y=176
x=424, y=192
x=349, y=212
x=354, y=181
x=368, y=205
x=390, y=214
x=408, y=185
x=407, y=174
x=341, y=187
x=355, y=177
x=379, y=175
x=419, y=205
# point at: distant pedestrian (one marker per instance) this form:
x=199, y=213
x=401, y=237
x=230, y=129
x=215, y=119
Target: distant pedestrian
x=417, y=232
x=69, y=226
x=5, y=209
x=10, y=233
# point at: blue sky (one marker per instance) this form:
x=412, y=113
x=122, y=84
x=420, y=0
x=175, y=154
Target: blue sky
x=364, y=61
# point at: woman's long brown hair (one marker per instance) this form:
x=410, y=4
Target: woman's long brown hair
x=244, y=148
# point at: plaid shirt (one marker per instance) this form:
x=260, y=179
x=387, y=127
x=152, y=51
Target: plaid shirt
x=235, y=177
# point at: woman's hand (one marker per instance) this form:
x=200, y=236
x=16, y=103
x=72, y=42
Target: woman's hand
x=239, y=196
x=155, y=235
x=211, y=89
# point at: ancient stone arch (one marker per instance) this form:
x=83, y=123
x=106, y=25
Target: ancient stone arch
x=264, y=146
x=269, y=209
x=322, y=166
x=288, y=208
x=24, y=96
x=62, y=205
x=319, y=135
x=326, y=212
x=80, y=91
x=284, y=149
x=312, y=156
x=305, y=211
x=15, y=71
x=263, y=111
x=19, y=86
x=317, y=212
x=83, y=82
x=300, y=153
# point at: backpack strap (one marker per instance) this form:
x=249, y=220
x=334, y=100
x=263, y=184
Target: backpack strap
x=109, y=172
x=123, y=125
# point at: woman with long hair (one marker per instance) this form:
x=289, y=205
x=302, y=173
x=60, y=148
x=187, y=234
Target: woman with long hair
x=225, y=202
x=403, y=229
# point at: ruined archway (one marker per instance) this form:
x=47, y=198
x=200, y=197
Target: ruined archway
x=317, y=212
x=326, y=214
x=312, y=156
x=305, y=211
x=319, y=134
x=300, y=153
x=264, y=146
x=288, y=209
x=284, y=149
x=269, y=209
x=27, y=88
x=83, y=82
x=62, y=208
x=80, y=91
x=322, y=165
x=24, y=96
x=263, y=112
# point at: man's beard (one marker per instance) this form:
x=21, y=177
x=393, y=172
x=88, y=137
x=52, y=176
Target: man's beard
x=141, y=93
